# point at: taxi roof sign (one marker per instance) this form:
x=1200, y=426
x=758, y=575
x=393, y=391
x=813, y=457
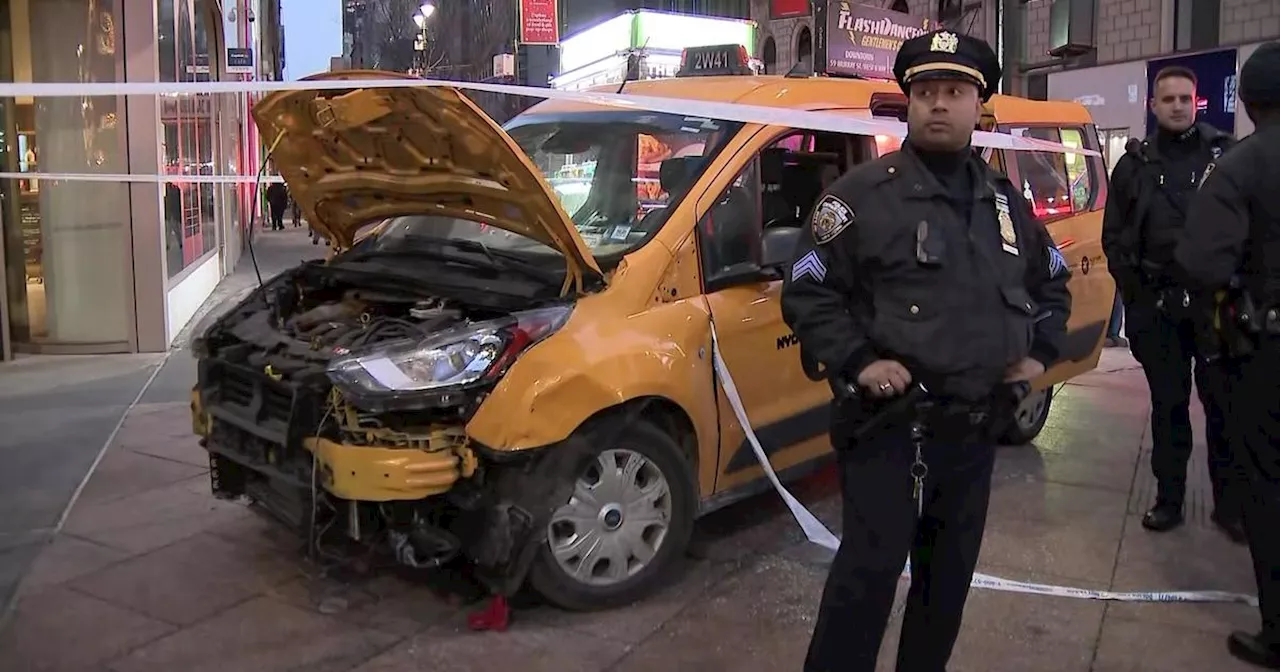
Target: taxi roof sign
x=715, y=60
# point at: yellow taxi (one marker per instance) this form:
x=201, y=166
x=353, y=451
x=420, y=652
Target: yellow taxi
x=508, y=361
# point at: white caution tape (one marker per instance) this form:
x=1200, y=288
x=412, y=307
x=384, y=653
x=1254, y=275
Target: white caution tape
x=757, y=114
x=139, y=177
x=816, y=532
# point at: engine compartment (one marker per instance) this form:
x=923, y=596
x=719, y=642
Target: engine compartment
x=297, y=325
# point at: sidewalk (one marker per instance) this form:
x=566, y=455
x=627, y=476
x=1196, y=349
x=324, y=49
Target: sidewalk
x=151, y=573
x=58, y=412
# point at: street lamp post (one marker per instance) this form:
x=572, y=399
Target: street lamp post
x=420, y=18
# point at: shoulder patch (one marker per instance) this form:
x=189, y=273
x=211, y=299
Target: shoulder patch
x=1057, y=263
x=831, y=217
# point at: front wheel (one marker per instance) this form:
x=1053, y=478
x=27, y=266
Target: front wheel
x=1030, y=418
x=626, y=526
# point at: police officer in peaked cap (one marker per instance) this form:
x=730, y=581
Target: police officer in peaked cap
x=927, y=292
x=1232, y=242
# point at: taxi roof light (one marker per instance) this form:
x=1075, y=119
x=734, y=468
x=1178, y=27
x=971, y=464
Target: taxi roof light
x=715, y=60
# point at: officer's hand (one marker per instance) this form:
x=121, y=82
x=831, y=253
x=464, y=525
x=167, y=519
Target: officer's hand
x=884, y=378
x=1026, y=370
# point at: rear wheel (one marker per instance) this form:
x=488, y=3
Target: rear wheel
x=626, y=526
x=1030, y=418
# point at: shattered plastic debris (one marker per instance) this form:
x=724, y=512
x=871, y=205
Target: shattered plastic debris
x=333, y=605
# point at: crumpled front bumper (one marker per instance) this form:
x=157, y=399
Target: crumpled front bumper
x=364, y=473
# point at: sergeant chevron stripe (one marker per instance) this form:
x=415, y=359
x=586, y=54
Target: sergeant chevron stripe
x=1057, y=263
x=810, y=265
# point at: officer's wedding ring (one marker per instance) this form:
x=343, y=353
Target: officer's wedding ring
x=884, y=387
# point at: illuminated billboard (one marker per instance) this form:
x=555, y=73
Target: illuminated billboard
x=598, y=55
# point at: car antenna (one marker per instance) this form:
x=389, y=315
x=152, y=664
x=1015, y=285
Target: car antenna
x=626, y=75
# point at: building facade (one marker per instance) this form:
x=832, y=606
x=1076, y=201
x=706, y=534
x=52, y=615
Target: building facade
x=580, y=14
x=100, y=267
x=1099, y=52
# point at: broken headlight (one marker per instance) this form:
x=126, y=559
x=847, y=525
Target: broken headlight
x=412, y=373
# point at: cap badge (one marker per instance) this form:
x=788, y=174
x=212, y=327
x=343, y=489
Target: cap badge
x=945, y=41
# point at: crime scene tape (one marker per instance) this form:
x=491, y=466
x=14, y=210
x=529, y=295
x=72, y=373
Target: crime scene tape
x=758, y=114
x=817, y=533
x=142, y=177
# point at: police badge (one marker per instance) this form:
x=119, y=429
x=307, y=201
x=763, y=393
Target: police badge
x=945, y=42
x=830, y=218
x=1008, y=236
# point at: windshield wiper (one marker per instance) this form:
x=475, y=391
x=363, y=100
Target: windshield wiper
x=503, y=258
x=495, y=261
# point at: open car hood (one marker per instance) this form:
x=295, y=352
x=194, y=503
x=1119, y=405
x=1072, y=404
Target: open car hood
x=352, y=157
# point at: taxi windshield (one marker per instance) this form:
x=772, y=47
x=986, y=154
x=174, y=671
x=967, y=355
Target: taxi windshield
x=617, y=173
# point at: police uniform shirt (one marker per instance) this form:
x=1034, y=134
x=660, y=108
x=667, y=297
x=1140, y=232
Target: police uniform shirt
x=888, y=268
x=1237, y=201
x=1238, y=204
x=1148, y=203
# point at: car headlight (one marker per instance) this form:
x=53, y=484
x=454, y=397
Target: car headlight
x=414, y=373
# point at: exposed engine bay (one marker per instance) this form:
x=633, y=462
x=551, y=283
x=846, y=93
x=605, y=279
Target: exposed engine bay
x=298, y=331
x=279, y=431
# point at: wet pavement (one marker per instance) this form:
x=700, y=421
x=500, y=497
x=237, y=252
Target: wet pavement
x=151, y=573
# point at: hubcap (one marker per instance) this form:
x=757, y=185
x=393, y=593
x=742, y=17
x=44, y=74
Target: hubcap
x=615, y=522
x=1032, y=409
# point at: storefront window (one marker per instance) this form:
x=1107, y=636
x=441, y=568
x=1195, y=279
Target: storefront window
x=66, y=242
x=188, y=142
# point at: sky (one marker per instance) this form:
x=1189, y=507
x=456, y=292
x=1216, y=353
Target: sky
x=312, y=34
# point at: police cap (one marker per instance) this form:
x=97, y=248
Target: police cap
x=1260, y=76
x=943, y=54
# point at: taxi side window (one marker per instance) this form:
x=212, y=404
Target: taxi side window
x=729, y=232
x=1056, y=185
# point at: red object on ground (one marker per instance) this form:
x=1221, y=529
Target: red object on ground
x=496, y=616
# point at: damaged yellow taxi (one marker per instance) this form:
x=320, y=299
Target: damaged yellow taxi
x=508, y=359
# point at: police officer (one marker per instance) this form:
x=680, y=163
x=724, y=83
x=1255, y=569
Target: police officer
x=1146, y=208
x=1233, y=230
x=924, y=266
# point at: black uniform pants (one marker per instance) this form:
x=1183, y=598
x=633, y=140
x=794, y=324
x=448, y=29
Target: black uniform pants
x=880, y=529
x=1166, y=350
x=277, y=218
x=1258, y=401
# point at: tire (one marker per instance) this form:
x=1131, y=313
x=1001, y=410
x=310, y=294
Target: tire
x=1030, y=419
x=589, y=590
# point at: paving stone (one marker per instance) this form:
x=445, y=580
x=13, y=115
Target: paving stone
x=456, y=649
x=67, y=558
x=761, y=618
x=1186, y=564
x=123, y=473
x=1014, y=632
x=1143, y=646
x=383, y=603
x=163, y=430
x=1031, y=463
x=155, y=518
x=191, y=579
x=1056, y=529
x=60, y=630
x=634, y=623
x=262, y=635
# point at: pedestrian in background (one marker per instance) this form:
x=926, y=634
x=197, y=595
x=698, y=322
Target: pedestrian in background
x=970, y=303
x=1233, y=234
x=277, y=201
x=1151, y=187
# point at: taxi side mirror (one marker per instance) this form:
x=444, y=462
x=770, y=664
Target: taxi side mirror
x=778, y=246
